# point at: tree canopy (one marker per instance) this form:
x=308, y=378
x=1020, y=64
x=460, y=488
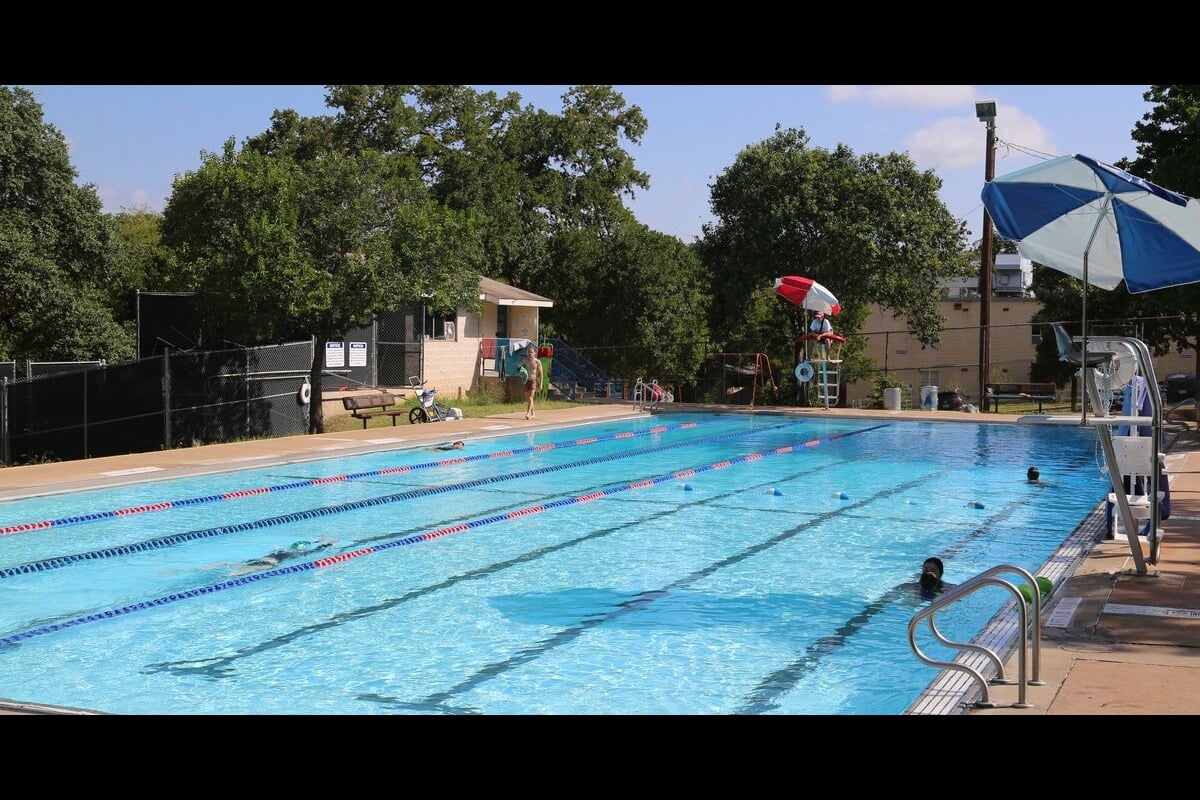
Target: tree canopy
x=56, y=247
x=1168, y=154
x=871, y=228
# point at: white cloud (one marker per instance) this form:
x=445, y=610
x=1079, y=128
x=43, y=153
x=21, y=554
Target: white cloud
x=959, y=142
x=141, y=199
x=905, y=96
x=109, y=196
x=843, y=94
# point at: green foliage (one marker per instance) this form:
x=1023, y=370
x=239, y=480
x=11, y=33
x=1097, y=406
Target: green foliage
x=141, y=261
x=1168, y=139
x=871, y=228
x=638, y=294
x=524, y=174
x=56, y=253
x=878, y=384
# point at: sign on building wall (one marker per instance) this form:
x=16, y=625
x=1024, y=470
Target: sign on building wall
x=335, y=354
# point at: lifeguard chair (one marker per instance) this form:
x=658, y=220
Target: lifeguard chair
x=822, y=362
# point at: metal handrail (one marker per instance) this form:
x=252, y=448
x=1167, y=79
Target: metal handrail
x=965, y=589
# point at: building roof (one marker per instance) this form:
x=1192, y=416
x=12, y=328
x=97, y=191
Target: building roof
x=493, y=291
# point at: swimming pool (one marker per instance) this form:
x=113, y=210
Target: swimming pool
x=679, y=564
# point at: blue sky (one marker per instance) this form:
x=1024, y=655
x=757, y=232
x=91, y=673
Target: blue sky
x=130, y=141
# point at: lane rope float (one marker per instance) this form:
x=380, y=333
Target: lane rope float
x=241, y=493
x=423, y=537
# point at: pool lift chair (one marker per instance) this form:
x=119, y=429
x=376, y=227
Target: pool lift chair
x=1071, y=353
x=1121, y=456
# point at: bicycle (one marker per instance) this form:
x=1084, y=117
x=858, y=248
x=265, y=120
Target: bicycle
x=428, y=410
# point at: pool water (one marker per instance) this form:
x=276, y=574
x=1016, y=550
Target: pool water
x=676, y=564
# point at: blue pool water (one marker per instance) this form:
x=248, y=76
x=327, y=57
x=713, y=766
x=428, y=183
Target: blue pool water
x=680, y=564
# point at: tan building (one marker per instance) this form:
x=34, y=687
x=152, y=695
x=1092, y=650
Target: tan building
x=954, y=364
x=464, y=353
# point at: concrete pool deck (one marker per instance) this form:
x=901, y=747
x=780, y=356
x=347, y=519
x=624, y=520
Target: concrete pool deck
x=1130, y=644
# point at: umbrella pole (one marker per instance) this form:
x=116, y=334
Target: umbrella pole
x=1084, y=368
x=1087, y=248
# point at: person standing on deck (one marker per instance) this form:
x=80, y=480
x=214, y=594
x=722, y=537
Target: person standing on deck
x=532, y=372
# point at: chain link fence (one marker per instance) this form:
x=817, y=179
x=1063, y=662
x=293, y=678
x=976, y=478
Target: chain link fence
x=177, y=399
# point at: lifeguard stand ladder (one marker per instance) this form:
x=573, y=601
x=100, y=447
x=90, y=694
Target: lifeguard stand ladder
x=826, y=367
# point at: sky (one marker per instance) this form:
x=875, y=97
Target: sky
x=130, y=141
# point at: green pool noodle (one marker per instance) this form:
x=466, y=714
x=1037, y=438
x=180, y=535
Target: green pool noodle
x=1044, y=586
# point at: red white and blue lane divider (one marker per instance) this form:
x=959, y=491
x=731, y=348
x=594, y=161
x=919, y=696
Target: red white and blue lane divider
x=417, y=539
x=213, y=498
x=296, y=516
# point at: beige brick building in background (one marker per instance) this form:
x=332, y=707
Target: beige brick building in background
x=954, y=364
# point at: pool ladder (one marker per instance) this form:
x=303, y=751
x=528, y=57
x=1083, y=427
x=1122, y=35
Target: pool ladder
x=648, y=396
x=963, y=590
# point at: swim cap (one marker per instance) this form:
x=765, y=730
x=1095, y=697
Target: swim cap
x=299, y=545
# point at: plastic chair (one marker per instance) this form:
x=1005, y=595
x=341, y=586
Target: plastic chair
x=1135, y=455
x=1070, y=352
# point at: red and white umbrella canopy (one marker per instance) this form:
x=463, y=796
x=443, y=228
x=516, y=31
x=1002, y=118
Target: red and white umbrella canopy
x=807, y=293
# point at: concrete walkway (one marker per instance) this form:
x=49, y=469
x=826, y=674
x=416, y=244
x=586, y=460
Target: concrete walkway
x=1131, y=644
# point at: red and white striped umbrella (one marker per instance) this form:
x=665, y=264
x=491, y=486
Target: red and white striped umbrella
x=807, y=293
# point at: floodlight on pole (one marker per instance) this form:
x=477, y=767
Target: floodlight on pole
x=985, y=110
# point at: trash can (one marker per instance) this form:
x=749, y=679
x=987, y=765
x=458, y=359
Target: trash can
x=891, y=399
x=929, y=398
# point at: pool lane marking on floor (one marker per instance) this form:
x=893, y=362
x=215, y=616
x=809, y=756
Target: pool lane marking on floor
x=437, y=703
x=783, y=680
x=58, y=562
x=311, y=482
x=218, y=666
x=435, y=534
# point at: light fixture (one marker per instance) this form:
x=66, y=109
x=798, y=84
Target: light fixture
x=985, y=110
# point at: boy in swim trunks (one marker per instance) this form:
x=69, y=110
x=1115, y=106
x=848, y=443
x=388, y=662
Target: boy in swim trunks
x=531, y=373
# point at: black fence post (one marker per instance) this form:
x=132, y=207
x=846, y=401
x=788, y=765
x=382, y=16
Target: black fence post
x=166, y=397
x=5, y=456
x=84, y=377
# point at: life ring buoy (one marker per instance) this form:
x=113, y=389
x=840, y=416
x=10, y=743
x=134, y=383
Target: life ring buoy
x=804, y=372
x=304, y=396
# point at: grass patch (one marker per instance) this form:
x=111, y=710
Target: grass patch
x=472, y=407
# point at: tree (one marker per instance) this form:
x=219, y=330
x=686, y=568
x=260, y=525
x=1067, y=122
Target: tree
x=1168, y=137
x=526, y=174
x=295, y=236
x=56, y=251
x=142, y=262
x=638, y=296
x=871, y=228
x=1169, y=142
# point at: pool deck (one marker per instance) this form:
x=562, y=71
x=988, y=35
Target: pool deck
x=1130, y=647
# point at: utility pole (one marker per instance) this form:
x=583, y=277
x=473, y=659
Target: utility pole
x=986, y=111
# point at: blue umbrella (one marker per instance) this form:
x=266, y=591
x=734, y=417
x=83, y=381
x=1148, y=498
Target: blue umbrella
x=1099, y=224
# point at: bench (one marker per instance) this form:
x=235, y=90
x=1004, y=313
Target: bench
x=366, y=406
x=1022, y=392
